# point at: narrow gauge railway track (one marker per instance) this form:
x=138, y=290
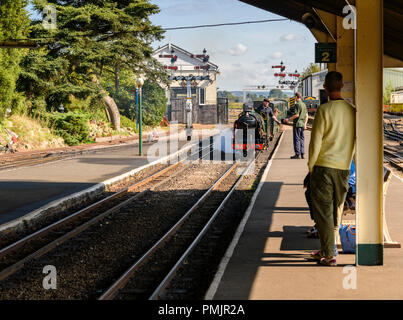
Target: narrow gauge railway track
x=392, y=129
x=394, y=135
x=141, y=279
x=393, y=147
x=394, y=157
x=19, y=160
x=29, y=162
x=14, y=256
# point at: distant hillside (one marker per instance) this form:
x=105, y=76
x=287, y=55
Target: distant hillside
x=262, y=93
x=237, y=96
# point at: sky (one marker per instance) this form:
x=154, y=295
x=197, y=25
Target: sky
x=243, y=53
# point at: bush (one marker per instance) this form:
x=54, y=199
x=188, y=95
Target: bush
x=127, y=123
x=154, y=103
x=72, y=127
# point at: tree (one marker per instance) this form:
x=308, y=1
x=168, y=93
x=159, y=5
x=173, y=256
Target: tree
x=43, y=80
x=277, y=93
x=387, y=93
x=98, y=37
x=154, y=103
x=312, y=68
x=229, y=95
x=14, y=24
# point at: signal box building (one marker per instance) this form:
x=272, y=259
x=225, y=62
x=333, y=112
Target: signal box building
x=179, y=63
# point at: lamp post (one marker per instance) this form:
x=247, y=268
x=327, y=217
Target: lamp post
x=137, y=108
x=140, y=83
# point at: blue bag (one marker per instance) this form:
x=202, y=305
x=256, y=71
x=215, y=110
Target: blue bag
x=347, y=238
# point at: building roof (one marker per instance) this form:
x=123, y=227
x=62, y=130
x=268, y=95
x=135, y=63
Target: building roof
x=176, y=48
x=295, y=9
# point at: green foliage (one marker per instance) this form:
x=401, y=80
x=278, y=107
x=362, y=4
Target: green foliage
x=98, y=49
x=312, y=68
x=125, y=95
x=14, y=24
x=387, y=93
x=255, y=97
x=235, y=105
x=127, y=123
x=154, y=103
x=71, y=126
x=279, y=94
x=94, y=39
x=230, y=96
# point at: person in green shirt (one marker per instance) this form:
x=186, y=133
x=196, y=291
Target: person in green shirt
x=300, y=119
x=331, y=151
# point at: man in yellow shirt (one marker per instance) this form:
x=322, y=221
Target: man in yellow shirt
x=331, y=151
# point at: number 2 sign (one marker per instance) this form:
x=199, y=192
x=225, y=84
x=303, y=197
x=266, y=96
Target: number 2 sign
x=325, y=52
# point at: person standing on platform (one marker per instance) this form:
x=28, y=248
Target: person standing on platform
x=300, y=119
x=266, y=109
x=330, y=154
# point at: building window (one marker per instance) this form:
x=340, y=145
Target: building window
x=182, y=92
x=202, y=96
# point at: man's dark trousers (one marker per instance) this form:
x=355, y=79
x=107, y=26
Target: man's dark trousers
x=328, y=192
x=299, y=140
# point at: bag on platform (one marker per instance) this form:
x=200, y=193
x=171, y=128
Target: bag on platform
x=347, y=238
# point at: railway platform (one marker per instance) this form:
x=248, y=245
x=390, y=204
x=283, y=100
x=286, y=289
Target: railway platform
x=267, y=259
x=27, y=189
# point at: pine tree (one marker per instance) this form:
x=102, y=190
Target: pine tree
x=14, y=24
x=95, y=37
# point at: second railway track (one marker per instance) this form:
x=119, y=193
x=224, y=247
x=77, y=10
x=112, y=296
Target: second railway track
x=15, y=255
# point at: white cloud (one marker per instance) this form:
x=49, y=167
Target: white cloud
x=238, y=50
x=289, y=37
x=277, y=55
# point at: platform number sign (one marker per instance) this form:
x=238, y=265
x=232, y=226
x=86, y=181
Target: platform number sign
x=325, y=53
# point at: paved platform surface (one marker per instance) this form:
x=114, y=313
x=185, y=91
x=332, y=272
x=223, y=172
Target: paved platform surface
x=269, y=262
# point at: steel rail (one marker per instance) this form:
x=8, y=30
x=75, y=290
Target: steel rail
x=21, y=162
x=164, y=284
x=111, y=292
x=28, y=162
x=40, y=233
x=51, y=227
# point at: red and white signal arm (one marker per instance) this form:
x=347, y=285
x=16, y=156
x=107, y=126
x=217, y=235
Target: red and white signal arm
x=174, y=59
x=171, y=67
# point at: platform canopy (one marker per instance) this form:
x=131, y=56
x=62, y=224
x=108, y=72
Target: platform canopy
x=296, y=9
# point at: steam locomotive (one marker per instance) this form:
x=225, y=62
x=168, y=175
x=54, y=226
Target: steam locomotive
x=252, y=128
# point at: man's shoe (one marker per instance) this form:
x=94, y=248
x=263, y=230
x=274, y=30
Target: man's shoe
x=295, y=157
x=330, y=262
x=316, y=255
x=302, y=156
